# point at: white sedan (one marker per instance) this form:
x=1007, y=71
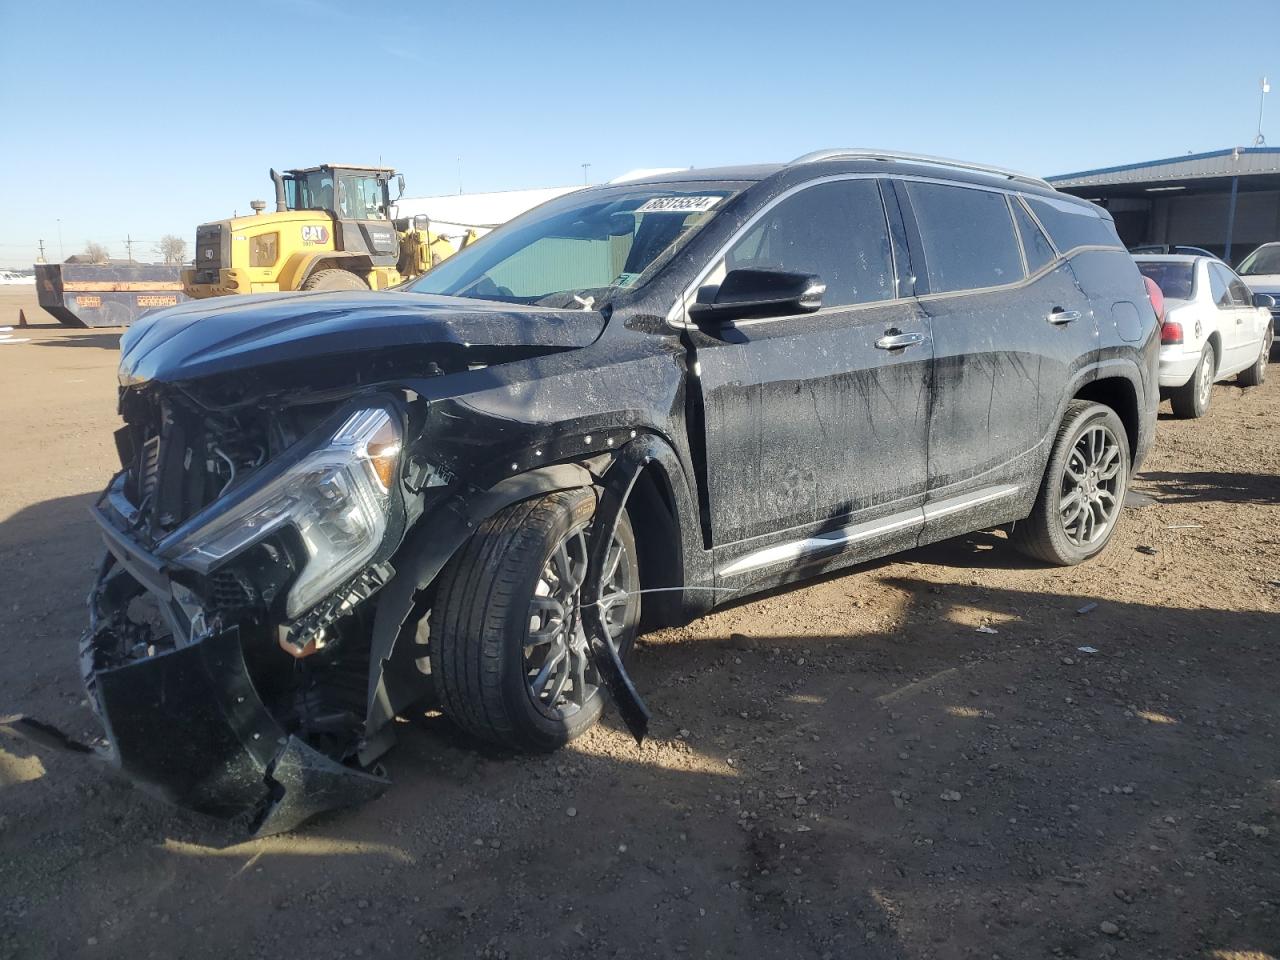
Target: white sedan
x=1213, y=328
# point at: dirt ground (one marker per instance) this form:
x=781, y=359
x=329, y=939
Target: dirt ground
x=846, y=770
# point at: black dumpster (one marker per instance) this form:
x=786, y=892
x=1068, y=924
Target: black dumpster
x=106, y=295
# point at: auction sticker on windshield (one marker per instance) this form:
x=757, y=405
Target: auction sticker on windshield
x=678, y=204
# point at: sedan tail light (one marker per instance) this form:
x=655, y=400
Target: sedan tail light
x=1170, y=332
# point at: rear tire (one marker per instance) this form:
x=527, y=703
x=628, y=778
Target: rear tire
x=1191, y=400
x=1082, y=493
x=1256, y=375
x=483, y=655
x=334, y=279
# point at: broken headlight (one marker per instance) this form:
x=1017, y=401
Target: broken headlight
x=336, y=497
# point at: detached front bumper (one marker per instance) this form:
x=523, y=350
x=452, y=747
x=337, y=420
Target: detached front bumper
x=188, y=723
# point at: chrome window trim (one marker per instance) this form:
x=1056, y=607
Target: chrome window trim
x=678, y=315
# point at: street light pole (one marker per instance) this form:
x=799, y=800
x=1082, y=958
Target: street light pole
x=1260, y=140
x=62, y=254
x=585, y=168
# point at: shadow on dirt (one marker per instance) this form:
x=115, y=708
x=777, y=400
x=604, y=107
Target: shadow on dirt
x=891, y=789
x=1177, y=487
x=75, y=338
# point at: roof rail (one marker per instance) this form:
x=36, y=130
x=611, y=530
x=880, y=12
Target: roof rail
x=865, y=153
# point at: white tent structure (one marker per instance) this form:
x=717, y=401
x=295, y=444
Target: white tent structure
x=454, y=214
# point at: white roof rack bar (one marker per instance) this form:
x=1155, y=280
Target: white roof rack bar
x=866, y=153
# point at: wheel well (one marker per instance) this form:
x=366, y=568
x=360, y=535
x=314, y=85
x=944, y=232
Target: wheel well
x=1215, y=341
x=1118, y=394
x=653, y=519
x=355, y=263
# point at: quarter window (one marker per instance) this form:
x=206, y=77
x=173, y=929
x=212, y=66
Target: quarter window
x=1220, y=286
x=1074, y=224
x=967, y=236
x=836, y=230
x=1035, y=244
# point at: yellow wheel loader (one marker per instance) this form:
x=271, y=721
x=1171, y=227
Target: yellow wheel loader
x=332, y=229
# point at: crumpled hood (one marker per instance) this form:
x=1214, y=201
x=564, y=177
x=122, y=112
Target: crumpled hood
x=204, y=337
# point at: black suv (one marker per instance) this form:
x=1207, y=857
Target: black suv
x=626, y=406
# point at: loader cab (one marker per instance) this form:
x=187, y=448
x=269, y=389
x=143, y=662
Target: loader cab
x=349, y=193
x=359, y=200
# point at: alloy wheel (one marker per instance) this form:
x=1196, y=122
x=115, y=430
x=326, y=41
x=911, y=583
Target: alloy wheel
x=560, y=676
x=1092, y=486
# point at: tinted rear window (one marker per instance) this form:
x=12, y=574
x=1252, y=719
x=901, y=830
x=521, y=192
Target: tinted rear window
x=1175, y=280
x=967, y=235
x=1073, y=225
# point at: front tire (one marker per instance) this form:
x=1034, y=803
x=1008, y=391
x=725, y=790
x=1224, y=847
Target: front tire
x=1082, y=493
x=507, y=643
x=334, y=279
x=1256, y=375
x=1191, y=400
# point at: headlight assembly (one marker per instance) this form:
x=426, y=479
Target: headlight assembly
x=335, y=497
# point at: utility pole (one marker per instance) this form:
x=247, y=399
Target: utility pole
x=585, y=168
x=1260, y=140
x=40, y=259
x=62, y=254
x=128, y=246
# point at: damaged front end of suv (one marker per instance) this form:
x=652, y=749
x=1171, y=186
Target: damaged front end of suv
x=269, y=476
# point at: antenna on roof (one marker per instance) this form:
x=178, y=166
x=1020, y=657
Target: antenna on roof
x=1260, y=140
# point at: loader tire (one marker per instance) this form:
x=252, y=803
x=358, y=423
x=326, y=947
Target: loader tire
x=334, y=279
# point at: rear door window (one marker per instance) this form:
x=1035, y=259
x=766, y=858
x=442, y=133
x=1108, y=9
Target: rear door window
x=967, y=235
x=1035, y=245
x=836, y=230
x=1073, y=224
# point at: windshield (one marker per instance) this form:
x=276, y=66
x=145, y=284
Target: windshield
x=1173, y=277
x=1263, y=260
x=578, y=251
x=358, y=196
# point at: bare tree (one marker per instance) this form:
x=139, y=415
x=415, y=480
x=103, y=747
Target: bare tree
x=95, y=252
x=172, y=249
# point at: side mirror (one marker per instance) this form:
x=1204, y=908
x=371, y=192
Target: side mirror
x=744, y=294
x=400, y=185
x=1264, y=300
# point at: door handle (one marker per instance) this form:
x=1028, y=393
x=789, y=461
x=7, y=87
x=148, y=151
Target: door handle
x=1060, y=316
x=896, y=341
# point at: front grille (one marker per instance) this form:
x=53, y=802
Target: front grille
x=148, y=470
x=211, y=251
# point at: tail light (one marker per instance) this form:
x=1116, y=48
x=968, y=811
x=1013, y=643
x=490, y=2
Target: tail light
x=1156, y=296
x=1170, y=332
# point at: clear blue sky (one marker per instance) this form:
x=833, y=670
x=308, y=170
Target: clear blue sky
x=147, y=118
